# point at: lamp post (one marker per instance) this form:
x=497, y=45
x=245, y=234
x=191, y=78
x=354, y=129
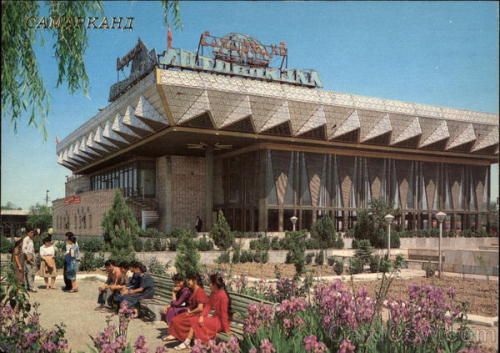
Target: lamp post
x=389, y=218
x=294, y=221
x=441, y=216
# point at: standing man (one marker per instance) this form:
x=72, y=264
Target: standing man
x=67, y=282
x=199, y=224
x=28, y=250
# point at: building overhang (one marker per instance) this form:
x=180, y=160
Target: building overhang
x=169, y=112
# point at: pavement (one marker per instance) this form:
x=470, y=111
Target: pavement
x=77, y=312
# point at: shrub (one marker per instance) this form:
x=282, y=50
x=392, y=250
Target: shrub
x=236, y=253
x=261, y=256
x=5, y=245
x=296, y=254
x=224, y=258
x=429, y=269
x=92, y=245
x=221, y=234
x=355, y=266
x=187, y=261
x=324, y=231
x=262, y=242
x=330, y=260
x=148, y=245
x=338, y=267
x=158, y=245
x=339, y=243
x=246, y=256
x=374, y=264
x=320, y=258
x=364, y=251
x=309, y=258
x=205, y=244
x=138, y=245
x=176, y=233
x=90, y=262
x=275, y=243
x=172, y=244
x=312, y=243
x=157, y=268
x=385, y=265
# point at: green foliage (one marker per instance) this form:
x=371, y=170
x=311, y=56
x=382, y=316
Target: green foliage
x=324, y=231
x=236, y=253
x=221, y=233
x=205, y=244
x=309, y=258
x=172, y=244
x=364, y=251
x=90, y=262
x=92, y=245
x=246, y=256
x=152, y=233
x=10, y=206
x=355, y=266
x=40, y=217
x=320, y=258
x=430, y=269
x=375, y=263
x=224, y=258
x=13, y=293
x=148, y=245
x=296, y=254
x=312, y=243
x=158, y=245
x=261, y=256
x=275, y=244
x=330, y=260
x=156, y=267
x=5, y=245
x=338, y=267
x=138, y=245
x=120, y=227
x=187, y=261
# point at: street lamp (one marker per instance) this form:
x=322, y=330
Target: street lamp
x=441, y=216
x=294, y=221
x=389, y=218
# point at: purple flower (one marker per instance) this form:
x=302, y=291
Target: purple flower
x=312, y=345
x=266, y=346
x=346, y=346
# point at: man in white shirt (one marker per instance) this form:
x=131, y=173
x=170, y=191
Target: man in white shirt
x=28, y=250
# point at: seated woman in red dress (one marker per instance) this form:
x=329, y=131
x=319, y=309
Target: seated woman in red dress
x=181, y=324
x=206, y=327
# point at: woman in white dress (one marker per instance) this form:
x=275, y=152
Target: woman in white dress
x=48, y=265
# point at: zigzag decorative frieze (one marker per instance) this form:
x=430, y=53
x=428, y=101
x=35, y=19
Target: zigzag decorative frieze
x=383, y=126
x=201, y=105
x=131, y=120
x=94, y=146
x=490, y=140
x=348, y=125
x=146, y=110
x=412, y=130
x=87, y=151
x=316, y=120
x=279, y=116
x=121, y=128
x=111, y=135
x=437, y=135
x=241, y=111
x=468, y=135
x=99, y=138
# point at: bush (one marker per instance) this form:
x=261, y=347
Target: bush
x=355, y=266
x=236, y=253
x=138, y=245
x=224, y=258
x=148, y=245
x=374, y=264
x=246, y=256
x=261, y=256
x=330, y=260
x=320, y=258
x=176, y=233
x=205, y=244
x=158, y=245
x=221, y=234
x=364, y=251
x=309, y=258
x=152, y=233
x=429, y=269
x=172, y=244
x=262, y=242
x=338, y=267
x=5, y=245
x=275, y=243
x=339, y=243
x=312, y=243
x=90, y=262
x=296, y=254
x=157, y=268
x=187, y=261
x=324, y=231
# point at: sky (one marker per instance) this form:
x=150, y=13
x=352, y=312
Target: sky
x=437, y=53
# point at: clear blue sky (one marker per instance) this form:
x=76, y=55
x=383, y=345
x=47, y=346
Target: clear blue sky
x=443, y=53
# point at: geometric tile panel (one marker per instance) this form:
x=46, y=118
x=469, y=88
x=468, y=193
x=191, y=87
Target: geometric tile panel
x=413, y=129
x=112, y=135
x=200, y=105
x=240, y=110
x=99, y=138
x=440, y=133
x=316, y=120
x=381, y=127
x=94, y=146
x=348, y=125
x=300, y=112
x=121, y=128
x=145, y=110
x=278, y=116
x=489, y=140
x=132, y=120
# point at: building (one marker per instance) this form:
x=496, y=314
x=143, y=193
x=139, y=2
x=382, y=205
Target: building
x=13, y=222
x=187, y=134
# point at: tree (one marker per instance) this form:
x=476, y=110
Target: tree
x=296, y=254
x=23, y=88
x=10, y=206
x=324, y=231
x=120, y=227
x=187, y=261
x=221, y=233
x=40, y=217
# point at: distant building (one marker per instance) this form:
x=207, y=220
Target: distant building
x=185, y=136
x=12, y=221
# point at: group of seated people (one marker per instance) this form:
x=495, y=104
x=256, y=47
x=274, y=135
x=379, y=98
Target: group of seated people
x=187, y=315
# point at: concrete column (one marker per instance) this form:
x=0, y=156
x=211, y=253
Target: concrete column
x=280, y=219
x=209, y=187
x=262, y=192
x=168, y=194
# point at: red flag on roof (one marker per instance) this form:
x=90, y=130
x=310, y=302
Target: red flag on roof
x=169, y=37
x=57, y=140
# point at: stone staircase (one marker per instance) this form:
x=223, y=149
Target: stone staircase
x=145, y=210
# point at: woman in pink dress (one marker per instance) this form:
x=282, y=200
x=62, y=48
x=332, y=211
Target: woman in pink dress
x=205, y=327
